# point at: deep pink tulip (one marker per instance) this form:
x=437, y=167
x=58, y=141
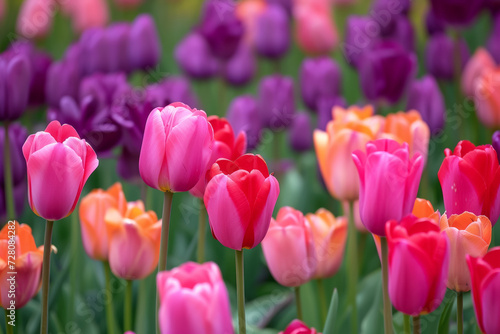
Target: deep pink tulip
x=298, y=327
x=289, y=248
x=485, y=279
x=176, y=148
x=194, y=299
x=240, y=199
x=419, y=255
x=59, y=163
x=389, y=181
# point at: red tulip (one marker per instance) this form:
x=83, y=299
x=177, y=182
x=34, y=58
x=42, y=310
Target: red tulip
x=240, y=199
x=59, y=163
x=298, y=327
x=470, y=180
x=485, y=279
x=418, y=264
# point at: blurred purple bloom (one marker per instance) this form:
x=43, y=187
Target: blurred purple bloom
x=493, y=43
x=195, y=58
x=63, y=77
x=272, y=33
x=319, y=77
x=240, y=69
x=361, y=33
x=15, y=78
x=243, y=114
x=301, y=133
x=285, y=4
x=433, y=24
x=144, y=49
x=440, y=56
x=106, y=89
x=402, y=33
x=276, y=101
x=495, y=141
x=325, y=106
x=385, y=12
x=457, y=12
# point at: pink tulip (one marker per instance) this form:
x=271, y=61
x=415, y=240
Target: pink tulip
x=87, y=14
x=35, y=18
x=194, y=299
x=298, y=327
x=389, y=181
x=176, y=148
x=487, y=99
x=240, y=199
x=289, y=248
x=59, y=163
x=479, y=63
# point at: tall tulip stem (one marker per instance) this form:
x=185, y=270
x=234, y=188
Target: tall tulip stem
x=240, y=287
x=460, y=310
x=298, y=304
x=352, y=267
x=202, y=222
x=47, y=248
x=385, y=287
x=127, y=314
x=9, y=329
x=110, y=312
x=407, y=326
x=416, y=325
x=9, y=189
x=322, y=299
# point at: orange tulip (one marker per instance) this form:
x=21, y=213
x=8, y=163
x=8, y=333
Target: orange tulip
x=349, y=130
x=16, y=240
x=487, y=98
x=424, y=209
x=92, y=211
x=468, y=234
x=134, y=241
x=329, y=238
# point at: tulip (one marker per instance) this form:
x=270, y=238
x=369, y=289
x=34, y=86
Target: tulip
x=469, y=235
x=240, y=69
x=329, y=236
x=350, y=130
x=63, y=79
x=418, y=265
x=485, y=280
x=144, y=46
x=176, y=148
x=433, y=24
x=470, y=180
x=357, y=219
x=402, y=33
x=325, y=107
x=425, y=96
x=301, y=135
x=480, y=62
x=28, y=265
x=86, y=14
x=319, y=78
x=93, y=208
x=387, y=170
x=243, y=194
x=440, y=55
x=15, y=78
x=226, y=145
x=289, y=248
x=424, y=209
x=486, y=98
x=194, y=299
x=298, y=327
x=59, y=163
x=243, y=114
x=495, y=142
x=195, y=58
x=493, y=40
x=385, y=70
x=460, y=13
x=387, y=12
x=248, y=11
x=35, y=18
x=272, y=32
x=277, y=104
x=133, y=241
x=361, y=32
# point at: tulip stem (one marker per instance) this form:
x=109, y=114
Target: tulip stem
x=385, y=286
x=460, y=308
x=75, y=265
x=110, y=313
x=352, y=267
x=9, y=192
x=127, y=314
x=240, y=287
x=322, y=299
x=47, y=248
x=407, y=326
x=162, y=263
x=416, y=325
x=202, y=222
x=297, y=302
x=9, y=329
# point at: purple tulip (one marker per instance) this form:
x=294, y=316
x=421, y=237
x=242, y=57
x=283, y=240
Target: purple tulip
x=361, y=33
x=319, y=77
x=493, y=43
x=144, y=49
x=385, y=71
x=301, y=133
x=402, y=33
x=63, y=79
x=440, y=56
x=195, y=58
x=276, y=101
x=385, y=12
x=272, y=32
x=425, y=96
x=15, y=78
x=240, y=69
x=457, y=12
x=243, y=114
x=325, y=107
x=433, y=24
x=495, y=141
x=106, y=89
x=287, y=5
x=118, y=38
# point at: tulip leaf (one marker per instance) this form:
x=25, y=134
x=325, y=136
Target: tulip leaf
x=444, y=320
x=332, y=313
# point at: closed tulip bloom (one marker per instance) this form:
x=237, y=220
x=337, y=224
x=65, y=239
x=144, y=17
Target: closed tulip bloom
x=495, y=142
x=15, y=78
x=492, y=44
x=93, y=208
x=433, y=24
x=419, y=255
x=487, y=97
x=470, y=180
x=248, y=11
x=403, y=33
x=439, y=53
x=460, y=13
x=194, y=299
x=244, y=115
x=63, y=79
x=289, y=248
x=226, y=145
x=176, y=148
x=349, y=131
x=240, y=197
x=241, y=68
x=59, y=163
x=35, y=18
x=386, y=69
x=424, y=209
x=386, y=12
x=485, y=280
x=28, y=265
x=329, y=236
x=277, y=103
x=480, y=62
x=361, y=32
x=425, y=96
x=386, y=171
x=298, y=327
x=144, y=47
x=319, y=78
x=86, y=14
x=195, y=57
x=272, y=32
x=301, y=133
x=469, y=235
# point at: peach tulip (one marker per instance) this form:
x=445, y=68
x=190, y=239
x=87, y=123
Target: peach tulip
x=35, y=18
x=479, y=63
x=487, y=98
x=469, y=235
x=329, y=237
x=424, y=209
x=248, y=11
x=92, y=212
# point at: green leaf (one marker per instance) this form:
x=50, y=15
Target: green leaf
x=444, y=320
x=332, y=313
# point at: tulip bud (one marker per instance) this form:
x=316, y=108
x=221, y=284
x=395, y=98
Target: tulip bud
x=277, y=103
x=300, y=135
x=195, y=58
x=272, y=34
x=243, y=114
x=480, y=62
x=460, y=13
x=240, y=69
x=15, y=78
x=440, y=55
x=144, y=47
x=319, y=78
x=361, y=33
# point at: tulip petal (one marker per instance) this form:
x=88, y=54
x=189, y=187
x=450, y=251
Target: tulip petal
x=152, y=154
x=183, y=311
x=490, y=290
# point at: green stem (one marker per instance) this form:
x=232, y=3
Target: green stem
x=297, y=302
x=407, y=326
x=385, y=277
x=240, y=287
x=8, y=328
x=9, y=189
x=322, y=299
x=416, y=325
x=162, y=263
x=75, y=266
x=352, y=267
x=110, y=312
x=47, y=248
x=202, y=222
x=460, y=309
x=127, y=314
